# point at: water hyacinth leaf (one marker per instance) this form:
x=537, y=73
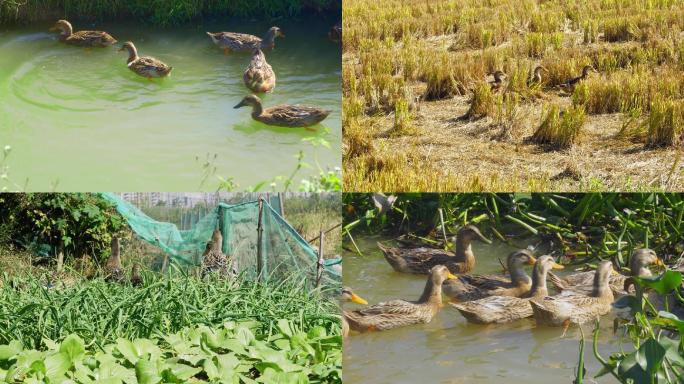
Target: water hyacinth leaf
x=10, y=350
x=127, y=349
x=180, y=372
x=147, y=372
x=73, y=347
x=663, y=284
x=672, y=351
x=284, y=327
x=629, y=368
x=275, y=377
x=56, y=365
x=210, y=369
x=652, y=353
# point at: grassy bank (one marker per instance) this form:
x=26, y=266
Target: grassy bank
x=157, y=12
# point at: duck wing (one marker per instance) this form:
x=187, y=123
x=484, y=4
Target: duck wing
x=296, y=115
x=91, y=38
x=495, y=309
x=149, y=66
x=474, y=287
x=237, y=41
x=419, y=260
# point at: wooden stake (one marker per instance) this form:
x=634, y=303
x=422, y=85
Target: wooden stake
x=441, y=220
x=319, y=267
x=281, y=198
x=260, y=230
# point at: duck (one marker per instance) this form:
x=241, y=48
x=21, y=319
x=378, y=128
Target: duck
x=113, y=269
x=136, y=279
x=570, y=84
x=401, y=313
x=474, y=287
x=259, y=75
x=536, y=78
x=145, y=66
x=421, y=260
x=335, y=34
x=284, y=115
x=241, y=42
x=639, y=262
x=498, y=82
x=213, y=259
x=349, y=296
x=82, y=38
x=576, y=307
x=503, y=309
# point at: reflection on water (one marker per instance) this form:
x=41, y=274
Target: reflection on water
x=81, y=117
x=450, y=350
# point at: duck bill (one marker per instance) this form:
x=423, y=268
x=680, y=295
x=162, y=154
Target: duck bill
x=358, y=300
x=557, y=266
x=451, y=276
x=239, y=105
x=531, y=260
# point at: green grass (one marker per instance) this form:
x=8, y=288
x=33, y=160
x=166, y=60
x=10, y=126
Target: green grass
x=155, y=12
x=101, y=313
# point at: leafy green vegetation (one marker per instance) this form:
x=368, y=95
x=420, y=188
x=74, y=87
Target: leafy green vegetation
x=582, y=226
x=655, y=335
x=230, y=353
x=155, y=12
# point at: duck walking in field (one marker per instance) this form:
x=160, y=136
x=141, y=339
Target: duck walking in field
x=213, y=260
x=136, y=279
x=536, y=78
x=113, y=269
x=474, y=287
x=284, y=115
x=242, y=42
x=349, y=295
x=498, y=82
x=82, y=38
x=570, y=84
x=400, y=313
x=145, y=66
x=577, y=307
x=503, y=309
x=259, y=75
x=422, y=259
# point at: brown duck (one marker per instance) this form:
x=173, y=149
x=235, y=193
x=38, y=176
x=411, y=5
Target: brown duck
x=242, y=42
x=113, y=269
x=422, y=259
x=259, y=75
x=536, y=78
x=284, y=115
x=400, y=313
x=214, y=261
x=349, y=295
x=145, y=66
x=570, y=84
x=82, y=38
x=498, y=82
x=474, y=287
x=136, y=279
x=504, y=309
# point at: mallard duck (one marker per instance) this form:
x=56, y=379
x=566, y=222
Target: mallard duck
x=503, y=309
x=113, y=270
x=232, y=41
x=348, y=295
x=145, y=66
x=570, y=84
x=573, y=307
x=400, y=313
x=259, y=76
x=214, y=261
x=638, y=263
x=335, y=34
x=473, y=287
x=536, y=78
x=284, y=115
x=82, y=38
x=136, y=279
x=422, y=259
x=498, y=82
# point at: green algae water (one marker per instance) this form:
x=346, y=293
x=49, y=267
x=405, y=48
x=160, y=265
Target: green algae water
x=451, y=350
x=79, y=120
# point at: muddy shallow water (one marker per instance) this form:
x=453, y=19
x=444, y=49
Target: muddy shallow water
x=80, y=120
x=450, y=350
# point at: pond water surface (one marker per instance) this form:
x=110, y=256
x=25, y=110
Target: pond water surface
x=451, y=350
x=79, y=120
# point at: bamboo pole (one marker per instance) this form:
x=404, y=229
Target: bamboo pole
x=260, y=230
x=326, y=231
x=60, y=256
x=319, y=267
x=281, y=198
x=441, y=220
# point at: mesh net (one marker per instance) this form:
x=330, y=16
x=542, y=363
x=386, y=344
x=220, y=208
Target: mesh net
x=283, y=251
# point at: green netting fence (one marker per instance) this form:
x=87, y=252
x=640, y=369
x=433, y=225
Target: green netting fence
x=281, y=253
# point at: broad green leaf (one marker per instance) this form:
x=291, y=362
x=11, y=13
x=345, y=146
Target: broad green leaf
x=10, y=350
x=653, y=353
x=147, y=372
x=73, y=347
x=663, y=284
x=57, y=364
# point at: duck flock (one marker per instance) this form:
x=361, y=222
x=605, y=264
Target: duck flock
x=259, y=76
x=496, y=299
